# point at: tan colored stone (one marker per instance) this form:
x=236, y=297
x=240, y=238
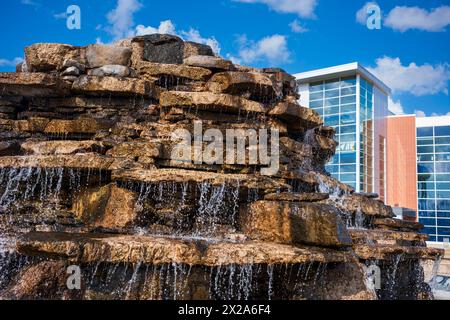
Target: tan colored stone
x=81, y=125
x=210, y=101
x=152, y=69
x=255, y=86
x=101, y=55
x=77, y=161
x=89, y=248
x=136, y=150
x=111, y=85
x=61, y=147
x=109, y=207
x=293, y=223
x=296, y=117
x=396, y=224
x=32, y=85
x=209, y=62
x=296, y=197
x=46, y=57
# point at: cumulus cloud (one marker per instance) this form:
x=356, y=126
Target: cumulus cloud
x=168, y=27
x=194, y=35
x=10, y=63
x=121, y=18
x=273, y=49
x=406, y=18
x=303, y=8
x=416, y=79
x=297, y=27
x=395, y=106
x=420, y=113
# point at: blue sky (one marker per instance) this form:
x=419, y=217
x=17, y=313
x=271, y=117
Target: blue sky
x=411, y=52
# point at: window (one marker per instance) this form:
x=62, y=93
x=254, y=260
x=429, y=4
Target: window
x=348, y=108
x=444, y=140
x=332, y=93
x=316, y=96
x=348, y=157
x=348, y=99
x=348, y=82
x=425, y=132
x=426, y=149
x=442, y=131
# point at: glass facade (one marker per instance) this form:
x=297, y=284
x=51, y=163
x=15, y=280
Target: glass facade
x=366, y=136
x=337, y=102
x=433, y=168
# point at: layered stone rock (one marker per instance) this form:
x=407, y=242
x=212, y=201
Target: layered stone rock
x=111, y=85
x=32, y=85
x=89, y=148
x=109, y=208
x=151, y=69
x=254, y=86
x=295, y=223
x=210, y=102
x=47, y=57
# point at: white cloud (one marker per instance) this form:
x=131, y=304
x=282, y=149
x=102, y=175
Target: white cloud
x=395, y=106
x=297, y=27
x=10, y=63
x=406, y=18
x=273, y=48
x=121, y=25
x=168, y=27
x=303, y=8
x=121, y=18
x=165, y=27
x=420, y=113
x=361, y=15
x=416, y=79
x=194, y=36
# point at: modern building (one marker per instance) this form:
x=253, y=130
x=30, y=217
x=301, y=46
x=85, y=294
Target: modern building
x=355, y=103
x=419, y=171
x=401, y=184
x=433, y=168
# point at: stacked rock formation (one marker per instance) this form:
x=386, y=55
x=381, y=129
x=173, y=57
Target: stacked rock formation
x=88, y=179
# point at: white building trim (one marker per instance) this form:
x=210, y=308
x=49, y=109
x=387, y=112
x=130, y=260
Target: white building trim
x=342, y=71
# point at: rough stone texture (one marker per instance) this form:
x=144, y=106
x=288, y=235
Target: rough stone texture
x=136, y=150
x=210, y=101
x=161, y=48
x=158, y=250
x=47, y=57
x=297, y=118
x=82, y=125
x=181, y=71
x=256, y=86
x=86, y=150
x=296, y=197
x=61, y=147
x=109, y=207
x=116, y=86
x=196, y=49
x=112, y=70
x=293, y=223
x=101, y=55
x=32, y=84
x=209, y=62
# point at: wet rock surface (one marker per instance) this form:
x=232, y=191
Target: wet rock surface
x=88, y=177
